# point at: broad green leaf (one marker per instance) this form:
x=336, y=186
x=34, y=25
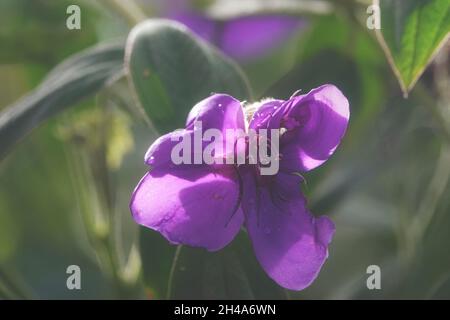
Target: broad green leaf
x=231, y=273
x=76, y=78
x=194, y=273
x=171, y=70
x=157, y=257
x=199, y=274
x=412, y=31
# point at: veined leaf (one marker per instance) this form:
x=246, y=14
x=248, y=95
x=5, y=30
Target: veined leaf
x=412, y=31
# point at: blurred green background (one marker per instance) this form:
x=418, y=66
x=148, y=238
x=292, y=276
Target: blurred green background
x=386, y=188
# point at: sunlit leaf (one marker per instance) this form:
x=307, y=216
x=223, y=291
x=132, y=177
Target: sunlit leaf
x=412, y=31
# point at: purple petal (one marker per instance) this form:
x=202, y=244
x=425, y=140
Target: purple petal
x=316, y=123
x=243, y=37
x=198, y=23
x=218, y=111
x=246, y=37
x=160, y=151
x=289, y=242
x=195, y=205
x=267, y=116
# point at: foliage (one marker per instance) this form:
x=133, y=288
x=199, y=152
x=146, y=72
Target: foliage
x=66, y=174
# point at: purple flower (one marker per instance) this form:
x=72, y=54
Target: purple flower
x=244, y=37
x=206, y=205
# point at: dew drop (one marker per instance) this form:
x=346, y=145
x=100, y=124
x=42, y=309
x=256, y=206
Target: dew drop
x=267, y=230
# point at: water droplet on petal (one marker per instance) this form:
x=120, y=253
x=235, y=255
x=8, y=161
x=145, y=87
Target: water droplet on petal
x=267, y=230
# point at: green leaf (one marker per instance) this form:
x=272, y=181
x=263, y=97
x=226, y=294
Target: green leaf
x=76, y=78
x=194, y=273
x=231, y=273
x=412, y=31
x=157, y=256
x=199, y=274
x=171, y=70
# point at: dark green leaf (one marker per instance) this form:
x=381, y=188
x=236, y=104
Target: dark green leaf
x=73, y=80
x=231, y=273
x=199, y=274
x=171, y=70
x=412, y=31
x=157, y=257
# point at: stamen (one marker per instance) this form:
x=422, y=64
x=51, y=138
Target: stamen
x=295, y=94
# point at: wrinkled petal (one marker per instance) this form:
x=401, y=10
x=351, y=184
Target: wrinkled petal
x=289, y=242
x=315, y=123
x=267, y=116
x=195, y=205
x=313, y=126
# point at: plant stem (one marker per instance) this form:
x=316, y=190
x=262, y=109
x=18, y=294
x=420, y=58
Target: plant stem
x=172, y=272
